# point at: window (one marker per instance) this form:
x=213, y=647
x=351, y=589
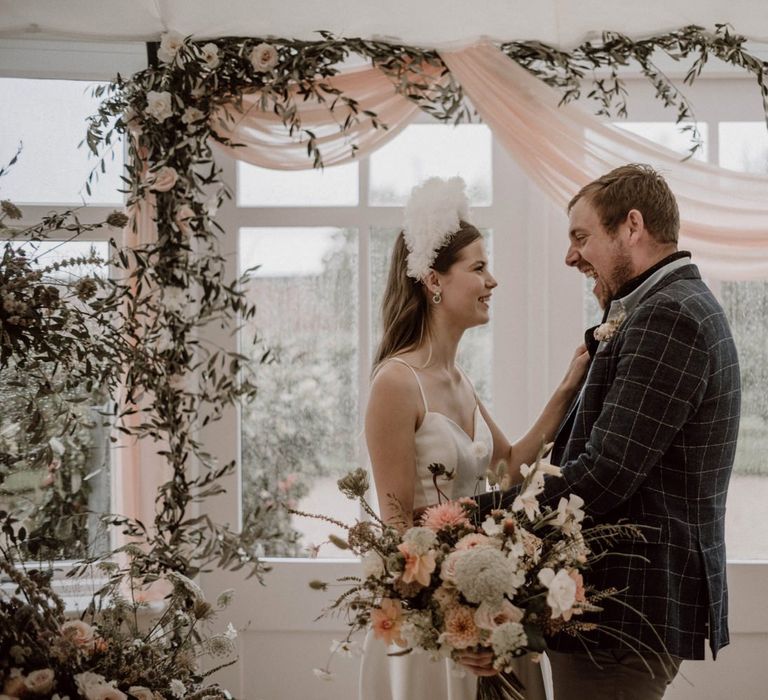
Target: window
x=318, y=290
x=61, y=488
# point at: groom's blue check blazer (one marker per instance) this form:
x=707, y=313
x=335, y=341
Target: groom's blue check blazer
x=652, y=442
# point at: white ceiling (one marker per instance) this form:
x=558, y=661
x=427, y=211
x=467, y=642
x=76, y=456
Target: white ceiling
x=437, y=23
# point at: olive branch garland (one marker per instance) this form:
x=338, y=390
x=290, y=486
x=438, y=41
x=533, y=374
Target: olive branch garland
x=195, y=82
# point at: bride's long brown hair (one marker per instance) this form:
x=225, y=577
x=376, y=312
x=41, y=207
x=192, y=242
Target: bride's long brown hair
x=405, y=311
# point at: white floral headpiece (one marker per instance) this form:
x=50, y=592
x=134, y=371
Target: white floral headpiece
x=432, y=216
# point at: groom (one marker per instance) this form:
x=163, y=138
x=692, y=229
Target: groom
x=650, y=440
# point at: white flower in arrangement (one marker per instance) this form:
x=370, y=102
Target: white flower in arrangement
x=177, y=688
x=106, y=691
x=230, y=632
x=159, y=105
x=373, y=565
x=346, y=648
x=489, y=617
x=484, y=574
x=224, y=599
x=419, y=540
x=163, y=179
x=323, y=674
x=170, y=43
x=263, y=58
x=210, y=54
x=87, y=680
x=175, y=299
x=57, y=446
x=526, y=500
x=561, y=591
x=506, y=641
x=192, y=115
x=186, y=584
x=569, y=513
x=164, y=340
x=491, y=527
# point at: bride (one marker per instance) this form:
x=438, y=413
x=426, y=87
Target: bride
x=423, y=409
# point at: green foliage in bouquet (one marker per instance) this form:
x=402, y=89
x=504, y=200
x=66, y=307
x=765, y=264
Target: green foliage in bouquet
x=119, y=648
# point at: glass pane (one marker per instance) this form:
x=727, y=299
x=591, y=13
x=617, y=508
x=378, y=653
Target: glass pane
x=49, y=118
x=56, y=480
x=669, y=135
x=744, y=146
x=475, y=352
x=300, y=434
x=746, y=304
x=426, y=150
x=331, y=187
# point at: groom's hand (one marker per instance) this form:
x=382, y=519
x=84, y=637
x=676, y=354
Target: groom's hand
x=478, y=662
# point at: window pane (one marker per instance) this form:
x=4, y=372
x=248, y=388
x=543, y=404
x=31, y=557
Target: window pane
x=49, y=118
x=426, y=150
x=58, y=496
x=475, y=352
x=331, y=187
x=300, y=434
x=669, y=135
x=744, y=146
x=746, y=304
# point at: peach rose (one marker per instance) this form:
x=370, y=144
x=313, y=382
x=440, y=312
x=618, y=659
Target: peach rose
x=163, y=179
x=386, y=621
x=80, y=633
x=418, y=567
x=489, y=617
x=14, y=686
x=40, y=682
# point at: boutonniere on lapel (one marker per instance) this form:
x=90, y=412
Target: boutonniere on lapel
x=605, y=331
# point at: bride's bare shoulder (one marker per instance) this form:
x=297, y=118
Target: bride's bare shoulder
x=394, y=379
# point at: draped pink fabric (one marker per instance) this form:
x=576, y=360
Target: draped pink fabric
x=265, y=141
x=724, y=214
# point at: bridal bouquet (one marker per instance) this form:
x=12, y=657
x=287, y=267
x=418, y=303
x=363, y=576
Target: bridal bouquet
x=452, y=583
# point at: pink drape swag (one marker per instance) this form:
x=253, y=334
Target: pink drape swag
x=724, y=213
x=266, y=143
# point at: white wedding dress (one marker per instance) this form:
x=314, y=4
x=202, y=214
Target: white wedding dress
x=415, y=676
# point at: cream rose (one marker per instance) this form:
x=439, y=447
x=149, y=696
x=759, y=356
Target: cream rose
x=40, y=682
x=489, y=617
x=159, y=105
x=104, y=691
x=170, y=43
x=164, y=179
x=141, y=693
x=80, y=633
x=263, y=58
x=211, y=55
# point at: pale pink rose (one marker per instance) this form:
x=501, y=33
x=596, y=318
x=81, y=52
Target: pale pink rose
x=41, y=681
x=141, y=693
x=104, y=691
x=184, y=215
x=450, y=514
x=164, y=179
x=460, y=628
x=473, y=540
x=418, y=567
x=386, y=621
x=211, y=55
x=448, y=567
x=263, y=58
x=80, y=633
x=489, y=617
x=159, y=105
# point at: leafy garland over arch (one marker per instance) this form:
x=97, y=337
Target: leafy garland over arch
x=179, y=282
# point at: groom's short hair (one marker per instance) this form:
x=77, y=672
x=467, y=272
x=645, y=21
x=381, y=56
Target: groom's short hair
x=634, y=186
